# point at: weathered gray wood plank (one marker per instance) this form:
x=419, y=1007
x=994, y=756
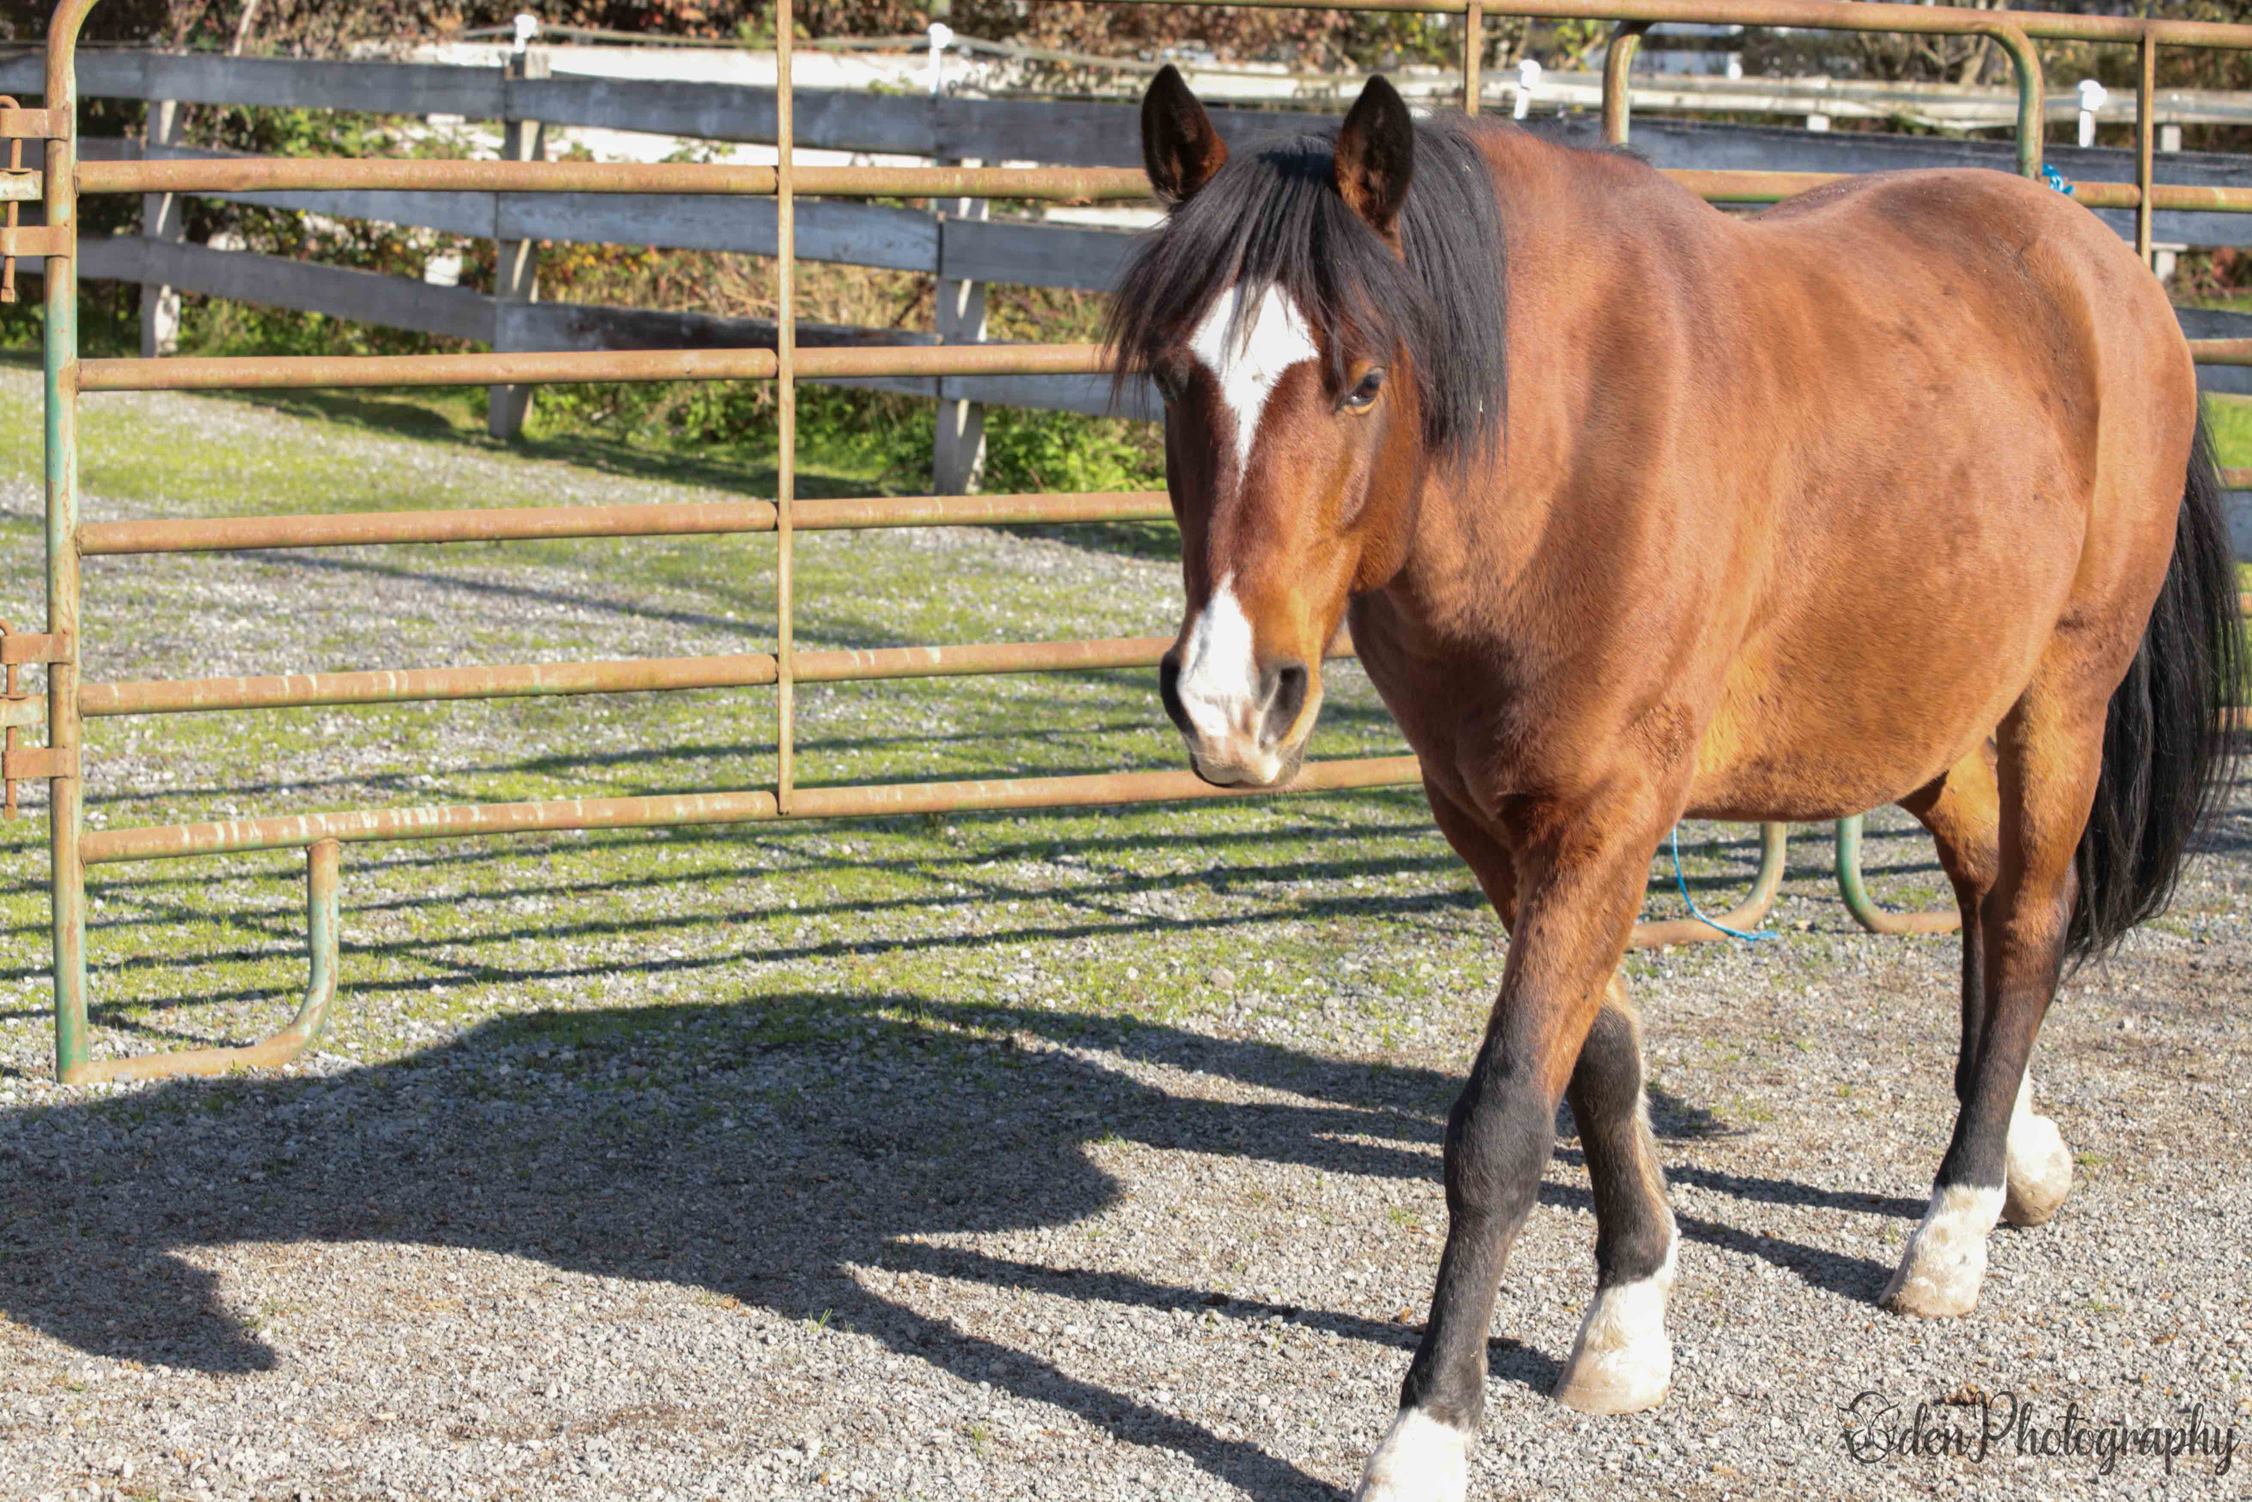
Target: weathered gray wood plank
x=1085, y=394
x=1063, y=133
x=551, y=325
x=1081, y=133
x=1032, y=254
x=2217, y=323
x=303, y=83
x=1679, y=143
x=101, y=75
x=862, y=234
x=828, y=119
x=275, y=282
x=468, y=214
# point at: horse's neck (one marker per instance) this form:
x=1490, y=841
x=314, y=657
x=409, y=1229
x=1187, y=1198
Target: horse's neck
x=1584, y=230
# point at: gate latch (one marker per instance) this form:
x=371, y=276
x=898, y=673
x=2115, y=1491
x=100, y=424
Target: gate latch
x=18, y=709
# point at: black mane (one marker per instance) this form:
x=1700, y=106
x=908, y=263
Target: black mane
x=1273, y=216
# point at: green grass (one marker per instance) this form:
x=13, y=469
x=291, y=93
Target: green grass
x=2231, y=420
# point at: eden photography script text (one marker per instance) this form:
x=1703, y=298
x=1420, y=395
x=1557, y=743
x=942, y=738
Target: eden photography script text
x=1979, y=1425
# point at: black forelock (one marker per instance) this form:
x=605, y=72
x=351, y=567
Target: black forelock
x=1273, y=217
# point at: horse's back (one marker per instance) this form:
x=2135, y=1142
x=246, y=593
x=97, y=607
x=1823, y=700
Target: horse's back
x=1844, y=471
x=2045, y=278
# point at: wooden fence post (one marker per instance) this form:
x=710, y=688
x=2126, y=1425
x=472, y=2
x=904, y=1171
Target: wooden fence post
x=958, y=439
x=2164, y=258
x=516, y=263
x=161, y=220
x=958, y=444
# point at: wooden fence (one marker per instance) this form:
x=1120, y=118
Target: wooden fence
x=953, y=241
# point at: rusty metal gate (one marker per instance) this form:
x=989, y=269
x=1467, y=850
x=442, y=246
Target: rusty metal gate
x=60, y=180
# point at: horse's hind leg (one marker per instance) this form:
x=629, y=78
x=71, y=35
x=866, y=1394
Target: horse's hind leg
x=1962, y=810
x=2048, y=755
x=1622, y=1361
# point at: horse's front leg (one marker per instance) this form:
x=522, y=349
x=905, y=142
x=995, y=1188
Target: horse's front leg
x=1582, y=877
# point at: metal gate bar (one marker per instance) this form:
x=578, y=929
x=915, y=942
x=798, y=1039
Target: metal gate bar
x=62, y=178
x=289, y=832
x=669, y=519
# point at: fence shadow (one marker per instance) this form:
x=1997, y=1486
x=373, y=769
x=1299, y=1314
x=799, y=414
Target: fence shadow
x=762, y=1152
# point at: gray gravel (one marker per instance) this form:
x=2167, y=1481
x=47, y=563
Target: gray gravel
x=1055, y=1157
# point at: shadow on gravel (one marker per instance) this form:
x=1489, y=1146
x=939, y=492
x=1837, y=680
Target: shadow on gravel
x=764, y=1152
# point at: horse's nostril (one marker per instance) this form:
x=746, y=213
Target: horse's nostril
x=1169, y=690
x=1285, y=699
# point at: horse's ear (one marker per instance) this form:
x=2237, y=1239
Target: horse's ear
x=1376, y=156
x=1179, y=146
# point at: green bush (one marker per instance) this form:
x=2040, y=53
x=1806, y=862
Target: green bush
x=1063, y=451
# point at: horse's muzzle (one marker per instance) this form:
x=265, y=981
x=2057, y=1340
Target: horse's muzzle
x=1258, y=740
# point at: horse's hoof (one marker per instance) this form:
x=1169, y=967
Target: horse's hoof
x=1419, y=1460
x=1622, y=1361
x=1609, y=1382
x=1945, y=1262
x=2040, y=1171
x=1927, y=1297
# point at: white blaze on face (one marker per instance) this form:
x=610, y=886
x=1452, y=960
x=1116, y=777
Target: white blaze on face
x=1248, y=359
x=1219, y=683
x=1219, y=688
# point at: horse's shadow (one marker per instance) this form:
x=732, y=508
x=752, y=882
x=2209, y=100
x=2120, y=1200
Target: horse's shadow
x=763, y=1151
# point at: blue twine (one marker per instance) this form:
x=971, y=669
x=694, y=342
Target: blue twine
x=1682, y=882
x=2055, y=179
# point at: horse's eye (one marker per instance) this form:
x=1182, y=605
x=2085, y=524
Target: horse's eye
x=1170, y=386
x=1363, y=395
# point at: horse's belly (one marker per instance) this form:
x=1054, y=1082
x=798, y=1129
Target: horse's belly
x=1791, y=789
x=1839, y=734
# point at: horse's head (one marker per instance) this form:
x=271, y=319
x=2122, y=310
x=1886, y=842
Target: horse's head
x=1277, y=313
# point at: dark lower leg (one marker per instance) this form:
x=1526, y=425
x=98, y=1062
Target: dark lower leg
x=1499, y=1137
x=1961, y=809
x=1572, y=923
x=1974, y=1000
x=1633, y=1227
x=1622, y=1361
x=2046, y=780
x=1945, y=1260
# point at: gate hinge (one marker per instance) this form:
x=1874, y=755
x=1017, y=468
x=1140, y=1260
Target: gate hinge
x=15, y=240
x=18, y=709
x=32, y=764
x=32, y=240
x=20, y=124
x=18, y=647
x=39, y=763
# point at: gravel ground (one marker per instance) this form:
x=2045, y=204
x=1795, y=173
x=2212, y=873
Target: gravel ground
x=1059, y=1156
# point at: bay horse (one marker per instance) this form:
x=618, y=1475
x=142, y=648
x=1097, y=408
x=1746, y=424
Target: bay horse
x=1896, y=492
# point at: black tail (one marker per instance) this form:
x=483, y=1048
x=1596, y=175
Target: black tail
x=2166, y=747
